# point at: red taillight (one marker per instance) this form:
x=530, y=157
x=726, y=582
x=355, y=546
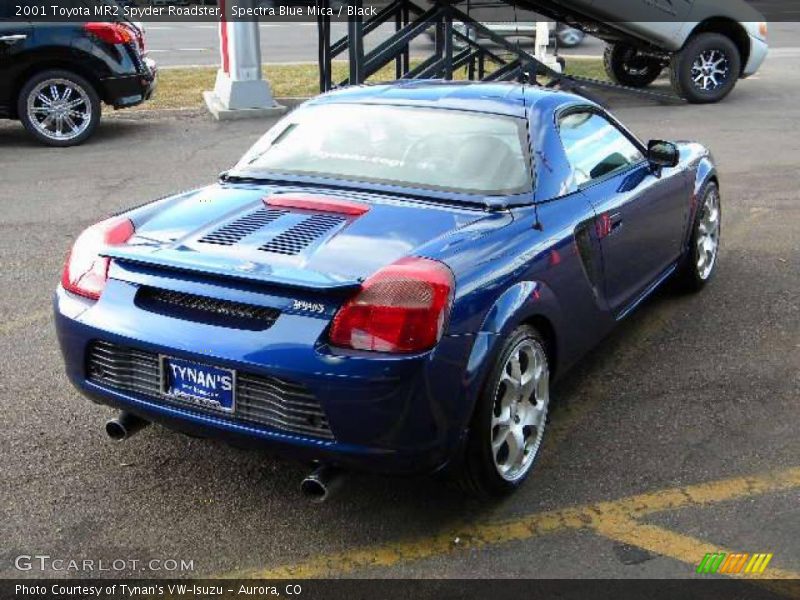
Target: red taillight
x=85, y=271
x=111, y=33
x=401, y=308
x=317, y=203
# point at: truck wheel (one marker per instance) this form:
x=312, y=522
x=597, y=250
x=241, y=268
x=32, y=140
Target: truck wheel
x=624, y=65
x=706, y=69
x=510, y=417
x=59, y=108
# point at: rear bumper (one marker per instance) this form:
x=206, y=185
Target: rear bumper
x=758, y=53
x=386, y=414
x=131, y=90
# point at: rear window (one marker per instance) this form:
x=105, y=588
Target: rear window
x=438, y=149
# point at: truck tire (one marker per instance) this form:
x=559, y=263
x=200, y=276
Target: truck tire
x=624, y=65
x=706, y=69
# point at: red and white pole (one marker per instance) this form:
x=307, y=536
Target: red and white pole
x=240, y=89
x=223, y=38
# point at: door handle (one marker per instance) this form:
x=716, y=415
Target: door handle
x=13, y=39
x=607, y=224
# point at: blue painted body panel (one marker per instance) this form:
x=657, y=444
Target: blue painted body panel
x=534, y=257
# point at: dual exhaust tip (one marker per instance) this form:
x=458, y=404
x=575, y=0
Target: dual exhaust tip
x=317, y=486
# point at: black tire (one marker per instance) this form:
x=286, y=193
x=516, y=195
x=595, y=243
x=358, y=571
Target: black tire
x=689, y=276
x=624, y=65
x=476, y=472
x=683, y=68
x=81, y=89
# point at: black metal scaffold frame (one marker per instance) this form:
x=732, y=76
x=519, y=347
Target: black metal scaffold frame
x=502, y=61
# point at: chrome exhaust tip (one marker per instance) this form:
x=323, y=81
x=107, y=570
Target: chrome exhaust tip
x=321, y=483
x=124, y=426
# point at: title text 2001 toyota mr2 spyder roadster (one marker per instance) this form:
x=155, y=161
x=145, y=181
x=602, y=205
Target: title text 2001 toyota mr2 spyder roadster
x=390, y=279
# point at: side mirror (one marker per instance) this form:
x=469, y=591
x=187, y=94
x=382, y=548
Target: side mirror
x=662, y=154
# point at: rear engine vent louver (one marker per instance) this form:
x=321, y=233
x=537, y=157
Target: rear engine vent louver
x=213, y=311
x=233, y=232
x=295, y=239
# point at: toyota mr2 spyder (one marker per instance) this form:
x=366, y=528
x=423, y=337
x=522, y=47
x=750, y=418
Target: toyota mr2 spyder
x=391, y=279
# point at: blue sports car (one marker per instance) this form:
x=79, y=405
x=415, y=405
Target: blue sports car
x=390, y=279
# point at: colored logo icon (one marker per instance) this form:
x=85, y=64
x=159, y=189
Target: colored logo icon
x=721, y=562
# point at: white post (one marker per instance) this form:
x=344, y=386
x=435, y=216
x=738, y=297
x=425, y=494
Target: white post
x=541, y=44
x=240, y=90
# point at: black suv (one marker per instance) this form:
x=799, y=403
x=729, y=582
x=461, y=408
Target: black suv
x=53, y=76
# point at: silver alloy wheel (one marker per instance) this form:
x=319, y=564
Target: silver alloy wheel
x=59, y=109
x=519, y=412
x=708, y=235
x=710, y=70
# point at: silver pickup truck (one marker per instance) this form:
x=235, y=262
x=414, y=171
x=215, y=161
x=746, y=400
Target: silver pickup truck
x=707, y=45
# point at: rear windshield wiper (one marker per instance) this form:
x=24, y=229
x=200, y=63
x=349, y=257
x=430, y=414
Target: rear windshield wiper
x=226, y=177
x=478, y=202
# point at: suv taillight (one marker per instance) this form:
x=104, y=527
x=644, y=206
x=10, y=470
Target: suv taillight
x=402, y=308
x=85, y=271
x=138, y=34
x=111, y=33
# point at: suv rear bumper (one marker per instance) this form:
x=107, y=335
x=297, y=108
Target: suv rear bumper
x=758, y=53
x=130, y=90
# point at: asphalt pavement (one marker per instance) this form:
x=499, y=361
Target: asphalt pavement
x=676, y=437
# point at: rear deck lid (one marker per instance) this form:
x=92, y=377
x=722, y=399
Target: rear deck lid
x=319, y=243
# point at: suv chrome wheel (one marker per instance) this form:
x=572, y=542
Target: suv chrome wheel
x=706, y=68
x=708, y=235
x=710, y=70
x=520, y=410
x=59, y=109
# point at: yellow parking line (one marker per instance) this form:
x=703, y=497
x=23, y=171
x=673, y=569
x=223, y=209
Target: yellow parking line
x=705, y=493
x=683, y=548
x=611, y=516
x=468, y=536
